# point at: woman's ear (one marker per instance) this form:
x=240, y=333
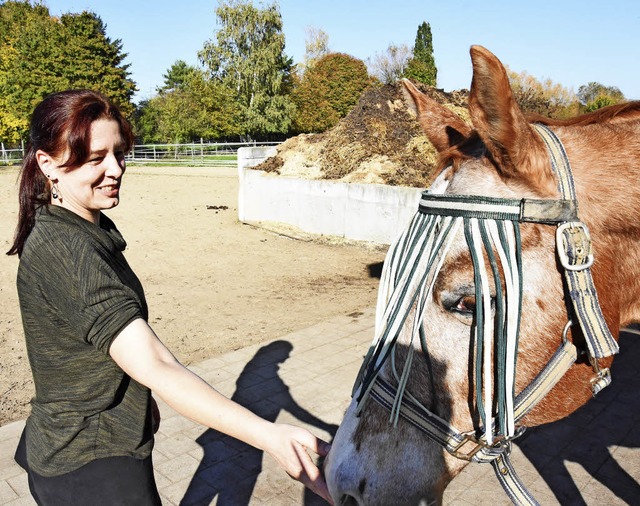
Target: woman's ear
x=47, y=165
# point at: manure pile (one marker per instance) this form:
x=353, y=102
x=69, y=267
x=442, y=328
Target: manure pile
x=379, y=141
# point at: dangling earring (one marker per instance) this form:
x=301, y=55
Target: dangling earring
x=54, y=191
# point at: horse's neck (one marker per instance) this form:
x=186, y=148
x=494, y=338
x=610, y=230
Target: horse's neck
x=606, y=163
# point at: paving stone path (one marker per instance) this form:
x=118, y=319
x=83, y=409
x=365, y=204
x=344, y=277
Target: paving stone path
x=305, y=378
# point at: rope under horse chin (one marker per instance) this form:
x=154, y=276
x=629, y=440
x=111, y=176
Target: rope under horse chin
x=491, y=227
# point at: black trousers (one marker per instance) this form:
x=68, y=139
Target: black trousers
x=112, y=481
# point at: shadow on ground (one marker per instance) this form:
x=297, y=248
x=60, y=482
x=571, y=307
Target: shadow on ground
x=229, y=468
x=606, y=425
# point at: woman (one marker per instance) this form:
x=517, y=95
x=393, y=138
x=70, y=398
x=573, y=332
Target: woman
x=94, y=358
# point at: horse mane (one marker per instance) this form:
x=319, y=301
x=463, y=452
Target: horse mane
x=610, y=114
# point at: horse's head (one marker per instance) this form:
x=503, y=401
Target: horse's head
x=501, y=155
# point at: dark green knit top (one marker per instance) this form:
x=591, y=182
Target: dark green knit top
x=77, y=293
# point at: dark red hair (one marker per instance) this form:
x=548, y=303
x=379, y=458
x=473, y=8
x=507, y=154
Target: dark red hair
x=60, y=123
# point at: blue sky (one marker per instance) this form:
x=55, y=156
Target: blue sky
x=572, y=42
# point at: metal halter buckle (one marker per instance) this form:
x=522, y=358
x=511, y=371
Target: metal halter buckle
x=500, y=446
x=574, y=246
x=469, y=437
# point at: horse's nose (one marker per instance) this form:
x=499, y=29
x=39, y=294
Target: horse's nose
x=349, y=500
x=351, y=496
x=346, y=488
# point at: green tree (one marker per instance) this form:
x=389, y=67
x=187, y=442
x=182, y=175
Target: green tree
x=146, y=120
x=92, y=60
x=599, y=102
x=594, y=95
x=328, y=91
x=29, y=44
x=422, y=66
x=177, y=76
x=248, y=57
x=40, y=54
x=200, y=108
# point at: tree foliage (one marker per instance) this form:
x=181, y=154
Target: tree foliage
x=195, y=107
x=92, y=60
x=390, y=65
x=594, y=95
x=247, y=56
x=40, y=54
x=422, y=66
x=328, y=91
x=542, y=97
x=177, y=76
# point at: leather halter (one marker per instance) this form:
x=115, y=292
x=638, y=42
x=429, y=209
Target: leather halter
x=573, y=247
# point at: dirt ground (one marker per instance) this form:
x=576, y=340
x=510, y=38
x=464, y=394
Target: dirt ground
x=212, y=284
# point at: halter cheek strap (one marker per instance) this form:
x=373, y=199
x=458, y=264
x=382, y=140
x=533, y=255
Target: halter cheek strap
x=575, y=254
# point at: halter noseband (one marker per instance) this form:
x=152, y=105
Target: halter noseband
x=491, y=228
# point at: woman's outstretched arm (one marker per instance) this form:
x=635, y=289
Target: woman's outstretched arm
x=139, y=352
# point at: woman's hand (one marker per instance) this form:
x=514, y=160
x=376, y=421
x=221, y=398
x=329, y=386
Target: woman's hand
x=288, y=446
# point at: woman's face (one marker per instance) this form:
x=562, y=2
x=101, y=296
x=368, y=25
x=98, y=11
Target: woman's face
x=95, y=185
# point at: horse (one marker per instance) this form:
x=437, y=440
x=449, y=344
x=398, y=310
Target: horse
x=466, y=337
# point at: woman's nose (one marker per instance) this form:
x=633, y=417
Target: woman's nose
x=114, y=166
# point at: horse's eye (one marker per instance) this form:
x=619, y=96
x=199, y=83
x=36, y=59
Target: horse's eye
x=465, y=305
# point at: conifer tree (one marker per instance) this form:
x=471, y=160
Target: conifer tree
x=191, y=106
x=422, y=66
x=90, y=59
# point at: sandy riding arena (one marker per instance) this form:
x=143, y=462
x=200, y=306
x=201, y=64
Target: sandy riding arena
x=212, y=283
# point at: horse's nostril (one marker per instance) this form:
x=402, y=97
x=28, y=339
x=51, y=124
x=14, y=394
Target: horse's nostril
x=348, y=500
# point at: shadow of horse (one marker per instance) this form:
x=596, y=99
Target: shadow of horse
x=229, y=468
x=606, y=425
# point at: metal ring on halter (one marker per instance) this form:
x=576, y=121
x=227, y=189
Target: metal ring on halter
x=565, y=331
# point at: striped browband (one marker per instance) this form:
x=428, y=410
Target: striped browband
x=523, y=210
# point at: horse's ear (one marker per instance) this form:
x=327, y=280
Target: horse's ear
x=516, y=149
x=443, y=127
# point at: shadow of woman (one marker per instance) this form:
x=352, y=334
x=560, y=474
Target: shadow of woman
x=608, y=423
x=229, y=468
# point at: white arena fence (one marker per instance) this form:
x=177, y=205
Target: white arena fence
x=211, y=154
x=11, y=156
x=204, y=154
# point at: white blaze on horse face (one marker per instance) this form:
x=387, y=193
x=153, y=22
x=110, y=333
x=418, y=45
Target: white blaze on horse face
x=441, y=183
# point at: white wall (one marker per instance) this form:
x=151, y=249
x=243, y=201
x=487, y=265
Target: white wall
x=365, y=212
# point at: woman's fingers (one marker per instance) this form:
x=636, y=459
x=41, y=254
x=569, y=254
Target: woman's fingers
x=298, y=463
x=311, y=476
